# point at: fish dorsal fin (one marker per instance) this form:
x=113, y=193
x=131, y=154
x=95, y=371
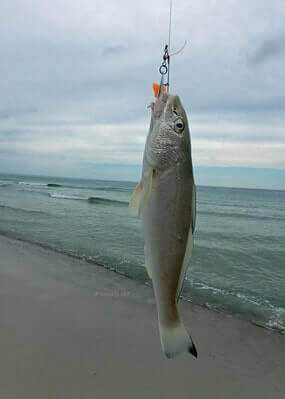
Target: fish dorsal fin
x=140, y=195
x=189, y=246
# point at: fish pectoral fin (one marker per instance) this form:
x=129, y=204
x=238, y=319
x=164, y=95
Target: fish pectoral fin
x=136, y=198
x=140, y=194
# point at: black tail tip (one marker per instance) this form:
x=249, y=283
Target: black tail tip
x=192, y=349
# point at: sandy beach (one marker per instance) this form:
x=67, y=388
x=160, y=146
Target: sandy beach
x=63, y=338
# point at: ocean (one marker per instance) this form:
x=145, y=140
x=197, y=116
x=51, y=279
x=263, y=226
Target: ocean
x=238, y=262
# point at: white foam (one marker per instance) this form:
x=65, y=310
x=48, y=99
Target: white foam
x=32, y=183
x=63, y=196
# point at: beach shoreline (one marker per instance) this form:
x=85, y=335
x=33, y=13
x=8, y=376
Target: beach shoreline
x=82, y=260
x=62, y=339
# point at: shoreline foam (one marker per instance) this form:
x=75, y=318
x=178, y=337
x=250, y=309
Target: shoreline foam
x=272, y=325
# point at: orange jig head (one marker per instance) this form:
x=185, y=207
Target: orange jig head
x=155, y=87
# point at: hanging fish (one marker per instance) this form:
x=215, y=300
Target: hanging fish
x=165, y=199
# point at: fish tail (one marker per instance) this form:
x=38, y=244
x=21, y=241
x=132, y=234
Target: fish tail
x=175, y=339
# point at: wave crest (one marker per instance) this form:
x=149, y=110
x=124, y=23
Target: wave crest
x=90, y=200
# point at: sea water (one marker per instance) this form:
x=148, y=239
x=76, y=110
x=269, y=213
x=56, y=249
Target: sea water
x=238, y=262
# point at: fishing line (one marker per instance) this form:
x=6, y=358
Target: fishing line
x=169, y=37
x=170, y=22
x=164, y=68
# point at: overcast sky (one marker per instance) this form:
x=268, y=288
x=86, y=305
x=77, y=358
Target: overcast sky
x=76, y=80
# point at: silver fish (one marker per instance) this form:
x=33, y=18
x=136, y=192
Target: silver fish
x=165, y=199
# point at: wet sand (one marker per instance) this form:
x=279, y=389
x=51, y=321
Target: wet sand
x=73, y=330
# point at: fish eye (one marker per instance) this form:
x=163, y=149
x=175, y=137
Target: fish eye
x=179, y=125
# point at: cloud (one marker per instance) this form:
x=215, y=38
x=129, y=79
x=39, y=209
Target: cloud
x=269, y=49
x=75, y=81
x=239, y=127
x=216, y=153
x=12, y=112
x=114, y=50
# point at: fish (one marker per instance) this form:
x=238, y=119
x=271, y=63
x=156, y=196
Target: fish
x=165, y=200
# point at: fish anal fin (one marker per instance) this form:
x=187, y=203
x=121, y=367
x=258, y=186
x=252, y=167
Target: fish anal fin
x=193, y=208
x=148, y=268
x=147, y=263
x=189, y=245
x=187, y=255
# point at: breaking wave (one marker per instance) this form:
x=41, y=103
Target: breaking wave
x=54, y=185
x=67, y=197
x=106, y=201
x=78, y=187
x=35, y=184
x=90, y=200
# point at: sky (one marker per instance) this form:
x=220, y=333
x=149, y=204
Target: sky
x=76, y=81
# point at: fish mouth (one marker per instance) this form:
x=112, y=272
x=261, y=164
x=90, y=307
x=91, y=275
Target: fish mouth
x=159, y=106
x=165, y=106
